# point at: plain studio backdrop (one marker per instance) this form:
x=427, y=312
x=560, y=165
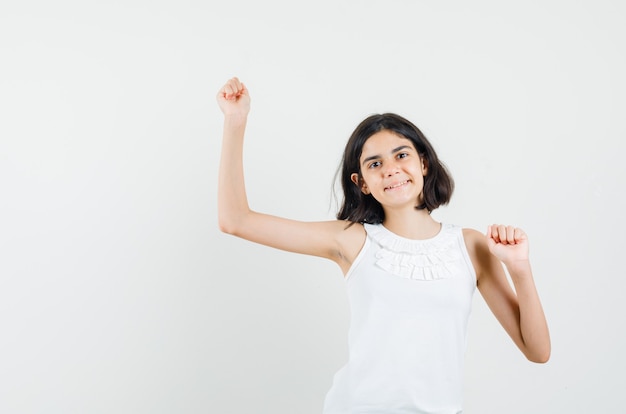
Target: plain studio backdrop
x=118, y=293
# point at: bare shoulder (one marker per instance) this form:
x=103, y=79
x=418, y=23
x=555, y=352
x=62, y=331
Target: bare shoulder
x=473, y=240
x=485, y=263
x=477, y=248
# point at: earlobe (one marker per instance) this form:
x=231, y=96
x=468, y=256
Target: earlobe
x=359, y=183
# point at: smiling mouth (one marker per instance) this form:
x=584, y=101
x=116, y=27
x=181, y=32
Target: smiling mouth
x=393, y=187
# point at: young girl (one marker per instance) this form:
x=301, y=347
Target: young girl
x=409, y=278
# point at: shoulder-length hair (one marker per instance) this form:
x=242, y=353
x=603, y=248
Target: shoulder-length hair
x=363, y=208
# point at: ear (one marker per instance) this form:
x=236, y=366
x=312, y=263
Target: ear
x=424, y=166
x=359, y=183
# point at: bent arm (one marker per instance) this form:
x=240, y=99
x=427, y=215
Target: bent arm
x=232, y=202
x=235, y=216
x=517, y=308
x=533, y=327
x=329, y=239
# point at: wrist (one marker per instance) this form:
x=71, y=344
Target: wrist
x=235, y=119
x=518, y=267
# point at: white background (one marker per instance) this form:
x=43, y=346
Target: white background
x=118, y=293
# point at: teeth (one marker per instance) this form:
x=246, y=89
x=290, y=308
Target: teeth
x=398, y=185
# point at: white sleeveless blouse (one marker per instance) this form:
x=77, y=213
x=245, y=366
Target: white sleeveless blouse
x=410, y=302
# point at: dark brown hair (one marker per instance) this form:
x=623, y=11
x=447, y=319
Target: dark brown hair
x=363, y=208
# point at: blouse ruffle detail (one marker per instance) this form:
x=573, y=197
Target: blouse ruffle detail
x=430, y=259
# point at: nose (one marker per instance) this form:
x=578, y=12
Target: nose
x=390, y=168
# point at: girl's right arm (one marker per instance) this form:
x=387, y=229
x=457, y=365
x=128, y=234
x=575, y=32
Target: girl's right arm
x=330, y=239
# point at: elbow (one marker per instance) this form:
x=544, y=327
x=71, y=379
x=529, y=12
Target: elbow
x=539, y=357
x=227, y=226
x=232, y=224
x=225, y=219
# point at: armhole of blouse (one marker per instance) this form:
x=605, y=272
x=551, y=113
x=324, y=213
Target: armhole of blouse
x=359, y=256
x=467, y=258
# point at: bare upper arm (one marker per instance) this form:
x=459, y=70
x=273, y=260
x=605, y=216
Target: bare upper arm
x=333, y=239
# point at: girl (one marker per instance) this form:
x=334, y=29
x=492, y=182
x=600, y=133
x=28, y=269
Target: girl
x=409, y=278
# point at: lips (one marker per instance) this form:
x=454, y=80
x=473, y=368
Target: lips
x=397, y=185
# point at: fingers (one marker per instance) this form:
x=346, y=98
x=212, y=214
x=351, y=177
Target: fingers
x=502, y=234
x=233, y=89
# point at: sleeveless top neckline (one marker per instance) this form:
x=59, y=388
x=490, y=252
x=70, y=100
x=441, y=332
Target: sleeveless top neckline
x=419, y=259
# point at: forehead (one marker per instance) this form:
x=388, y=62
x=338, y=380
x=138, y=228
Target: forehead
x=384, y=142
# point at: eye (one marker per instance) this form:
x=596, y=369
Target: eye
x=374, y=164
x=403, y=155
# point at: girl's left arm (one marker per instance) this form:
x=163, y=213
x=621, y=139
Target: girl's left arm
x=518, y=310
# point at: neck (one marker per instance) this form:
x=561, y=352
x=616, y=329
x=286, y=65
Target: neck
x=411, y=224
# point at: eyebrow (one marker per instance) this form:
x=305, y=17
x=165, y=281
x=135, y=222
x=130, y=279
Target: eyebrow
x=373, y=157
